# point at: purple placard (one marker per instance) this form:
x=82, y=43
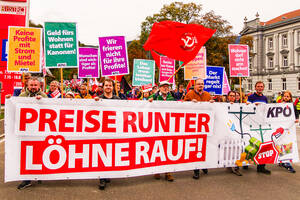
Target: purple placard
x=113, y=56
x=88, y=63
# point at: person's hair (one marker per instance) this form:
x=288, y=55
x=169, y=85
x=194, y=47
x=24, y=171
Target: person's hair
x=198, y=79
x=259, y=82
x=34, y=78
x=231, y=92
x=27, y=74
x=56, y=82
x=108, y=80
x=289, y=92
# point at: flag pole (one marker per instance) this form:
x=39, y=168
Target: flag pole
x=61, y=82
x=88, y=86
x=240, y=80
x=117, y=93
x=175, y=72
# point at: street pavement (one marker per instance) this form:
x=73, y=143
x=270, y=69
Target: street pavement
x=217, y=184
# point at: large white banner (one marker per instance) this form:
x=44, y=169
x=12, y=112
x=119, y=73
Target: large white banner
x=52, y=139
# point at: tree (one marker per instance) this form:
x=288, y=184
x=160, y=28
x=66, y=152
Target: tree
x=176, y=11
x=135, y=51
x=217, y=46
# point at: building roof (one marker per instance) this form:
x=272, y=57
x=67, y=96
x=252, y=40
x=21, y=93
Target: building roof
x=286, y=16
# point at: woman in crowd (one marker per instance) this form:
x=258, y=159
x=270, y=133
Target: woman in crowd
x=287, y=98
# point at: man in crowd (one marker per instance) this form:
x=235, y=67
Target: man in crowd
x=83, y=93
x=54, y=90
x=108, y=88
x=120, y=94
x=258, y=98
x=33, y=90
x=18, y=91
x=180, y=94
x=196, y=95
x=163, y=94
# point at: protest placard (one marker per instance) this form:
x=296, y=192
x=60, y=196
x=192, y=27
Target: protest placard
x=61, y=45
x=88, y=63
x=226, y=86
x=24, y=49
x=214, y=80
x=113, y=56
x=166, y=69
x=62, y=139
x=239, y=60
x=197, y=67
x=143, y=72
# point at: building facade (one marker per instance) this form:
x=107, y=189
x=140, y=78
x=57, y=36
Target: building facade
x=275, y=56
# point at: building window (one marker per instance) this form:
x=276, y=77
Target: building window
x=249, y=84
x=284, y=40
x=298, y=83
x=283, y=83
x=285, y=61
x=269, y=84
x=250, y=63
x=270, y=62
x=298, y=37
x=270, y=43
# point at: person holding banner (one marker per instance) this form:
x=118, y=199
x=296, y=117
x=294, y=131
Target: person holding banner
x=33, y=90
x=108, y=87
x=163, y=95
x=231, y=98
x=196, y=95
x=257, y=98
x=54, y=90
x=287, y=98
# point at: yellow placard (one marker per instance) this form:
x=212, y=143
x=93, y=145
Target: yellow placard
x=197, y=67
x=24, y=49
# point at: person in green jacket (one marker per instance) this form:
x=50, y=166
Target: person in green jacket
x=163, y=94
x=33, y=89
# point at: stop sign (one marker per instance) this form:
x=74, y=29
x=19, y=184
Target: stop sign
x=266, y=154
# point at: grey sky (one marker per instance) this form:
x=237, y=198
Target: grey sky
x=123, y=17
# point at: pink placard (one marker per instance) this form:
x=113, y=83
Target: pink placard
x=167, y=69
x=239, y=60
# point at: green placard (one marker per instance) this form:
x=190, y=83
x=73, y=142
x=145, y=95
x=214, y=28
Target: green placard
x=61, y=46
x=143, y=72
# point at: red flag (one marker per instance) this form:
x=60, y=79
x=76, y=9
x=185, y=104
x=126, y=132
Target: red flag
x=118, y=78
x=190, y=84
x=177, y=40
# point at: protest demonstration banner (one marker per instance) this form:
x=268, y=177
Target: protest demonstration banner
x=226, y=86
x=197, y=67
x=214, y=80
x=113, y=56
x=239, y=60
x=143, y=72
x=25, y=47
x=166, y=69
x=61, y=45
x=52, y=139
x=88, y=63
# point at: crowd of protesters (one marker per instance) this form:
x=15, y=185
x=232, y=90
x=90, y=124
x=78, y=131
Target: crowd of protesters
x=34, y=87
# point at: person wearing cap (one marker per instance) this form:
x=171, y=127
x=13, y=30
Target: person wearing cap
x=163, y=94
x=70, y=95
x=196, y=95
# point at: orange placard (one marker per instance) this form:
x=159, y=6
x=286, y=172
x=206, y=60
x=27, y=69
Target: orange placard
x=24, y=49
